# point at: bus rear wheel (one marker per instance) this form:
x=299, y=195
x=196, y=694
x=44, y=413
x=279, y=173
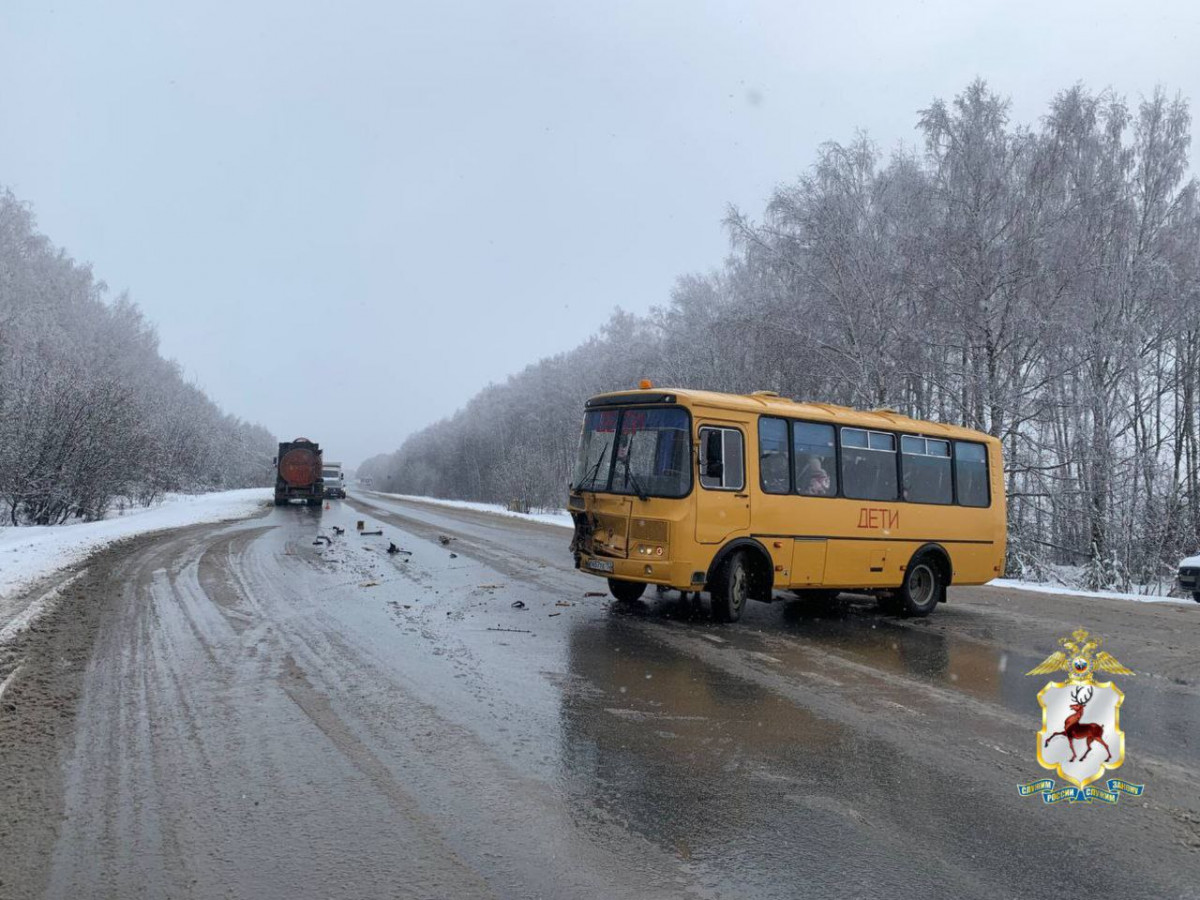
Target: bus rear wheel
x=1196, y=596
x=730, y=588
x=626, y=591
x=922, y=588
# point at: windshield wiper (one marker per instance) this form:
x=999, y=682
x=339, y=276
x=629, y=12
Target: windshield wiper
x=629, y=476
x=595, y=470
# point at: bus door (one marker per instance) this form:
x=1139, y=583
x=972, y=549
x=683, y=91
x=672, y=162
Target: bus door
x=723, y=496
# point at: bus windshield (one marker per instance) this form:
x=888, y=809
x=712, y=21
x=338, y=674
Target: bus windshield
x=652, y=452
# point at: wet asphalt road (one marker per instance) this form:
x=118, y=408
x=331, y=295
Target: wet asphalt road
x=266, y=718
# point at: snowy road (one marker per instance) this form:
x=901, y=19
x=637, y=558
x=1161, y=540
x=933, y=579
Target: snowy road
x=231, y=711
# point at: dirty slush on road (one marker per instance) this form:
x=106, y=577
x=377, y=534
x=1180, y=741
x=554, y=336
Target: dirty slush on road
x=236, y=710
x=42, y=668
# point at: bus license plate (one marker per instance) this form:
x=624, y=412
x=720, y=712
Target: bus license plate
x=600, y=565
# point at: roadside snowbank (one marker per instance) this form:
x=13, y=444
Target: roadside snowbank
x=1042, y=588
x=29, y=553
x=557, y=517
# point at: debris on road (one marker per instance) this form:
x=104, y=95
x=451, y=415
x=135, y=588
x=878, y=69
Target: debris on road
x=392, y=548
x=323, y=537
x=454, y=556
x=563, y=603
x=368, y=584
x=595, y=594
x=490, y=587
x=518, y=604
x=338, y=530
x=378, y=533
x=555, y=614
x=361, y=525
x=514, y=630
x=444, y=539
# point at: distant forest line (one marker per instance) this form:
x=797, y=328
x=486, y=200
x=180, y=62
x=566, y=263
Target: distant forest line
x=89, y=410
x=1040, y=283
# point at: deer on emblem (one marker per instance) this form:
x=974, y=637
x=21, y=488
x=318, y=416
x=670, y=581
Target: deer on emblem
x=1074, y=730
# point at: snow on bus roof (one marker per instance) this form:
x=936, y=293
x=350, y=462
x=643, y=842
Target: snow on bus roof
x=767, y=401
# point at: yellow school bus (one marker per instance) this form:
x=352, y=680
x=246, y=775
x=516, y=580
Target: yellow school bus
x=744, y=495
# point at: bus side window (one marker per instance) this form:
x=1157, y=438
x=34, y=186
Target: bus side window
x=773, y=457
x=816, y=459
x=869, y=464
x=721, y=459
x=971, y=473
x=926, y=466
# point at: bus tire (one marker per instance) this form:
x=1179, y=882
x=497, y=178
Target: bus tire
x=730, y=588
x=1196, y=596
x=922, y=588
x=626, y=591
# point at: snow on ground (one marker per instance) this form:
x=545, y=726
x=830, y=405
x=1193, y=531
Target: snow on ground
x=551, y=517
x=1042, y=588
x=30, y=553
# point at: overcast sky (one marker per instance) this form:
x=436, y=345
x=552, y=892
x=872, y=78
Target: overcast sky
x=346, y=218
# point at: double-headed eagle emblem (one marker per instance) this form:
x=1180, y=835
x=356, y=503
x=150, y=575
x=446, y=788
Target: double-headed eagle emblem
x=1080, y=659
x=1080, y=712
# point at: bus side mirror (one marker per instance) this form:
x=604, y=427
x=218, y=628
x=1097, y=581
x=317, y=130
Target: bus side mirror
x=714, y=466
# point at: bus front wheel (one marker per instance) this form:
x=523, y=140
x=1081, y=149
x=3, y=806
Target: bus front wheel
x=922, y=588
x=730, y=588
x=625, y=591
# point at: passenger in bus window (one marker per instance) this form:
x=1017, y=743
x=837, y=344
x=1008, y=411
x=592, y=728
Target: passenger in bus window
x=774, y=473
x=813, y=479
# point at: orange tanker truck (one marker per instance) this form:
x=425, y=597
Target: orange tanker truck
x=298, y=473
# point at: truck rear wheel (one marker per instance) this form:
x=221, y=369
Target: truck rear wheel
x=626, y=591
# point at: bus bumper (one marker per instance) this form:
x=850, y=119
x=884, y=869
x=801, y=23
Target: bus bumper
x=671, y=574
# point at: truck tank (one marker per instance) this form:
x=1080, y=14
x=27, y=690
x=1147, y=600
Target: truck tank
x=298, y=472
